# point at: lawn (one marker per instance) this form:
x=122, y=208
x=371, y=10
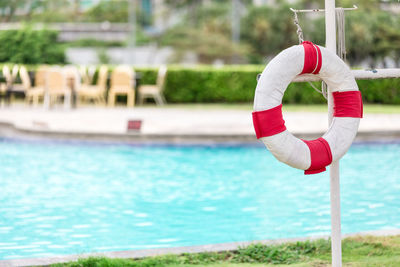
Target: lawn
x=368, y=108
x=357, y=251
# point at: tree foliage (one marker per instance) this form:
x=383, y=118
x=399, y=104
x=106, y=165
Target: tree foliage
x=30, y=46
x=8, y=8
x=371, y=33
x=112, y=11
x=204, y=27
x=268, y=30
x=207, y=44
x=208, y=34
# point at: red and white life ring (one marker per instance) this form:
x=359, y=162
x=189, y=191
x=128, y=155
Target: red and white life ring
x=311, y=156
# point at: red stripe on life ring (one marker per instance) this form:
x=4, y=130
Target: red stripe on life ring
x=348, y=104
x=321, y=155
x=319, y=62
x=268, y=122
x=312, y=58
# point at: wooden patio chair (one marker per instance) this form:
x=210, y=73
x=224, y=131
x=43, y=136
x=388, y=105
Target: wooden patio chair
x=95, y=92
x=36, y=93
x=154, y=91
x=57, y=87
x=122, y=83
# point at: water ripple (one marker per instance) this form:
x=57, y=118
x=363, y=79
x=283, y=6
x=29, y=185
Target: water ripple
x=76, y=198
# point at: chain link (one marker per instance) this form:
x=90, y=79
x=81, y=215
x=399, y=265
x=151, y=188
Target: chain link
x=299, y=31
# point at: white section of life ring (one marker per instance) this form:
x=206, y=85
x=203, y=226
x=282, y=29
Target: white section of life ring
x=271, y=87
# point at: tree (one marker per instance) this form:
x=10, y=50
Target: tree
x=208, y=45
x=192, y=6
x=268, y=30
x=9, y=7
x=209, y=35
x=52, y=11
x=30, y=46
x=112, y=11
x=371, y=34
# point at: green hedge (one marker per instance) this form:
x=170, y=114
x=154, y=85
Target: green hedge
x=234, y=84
x=29, y=46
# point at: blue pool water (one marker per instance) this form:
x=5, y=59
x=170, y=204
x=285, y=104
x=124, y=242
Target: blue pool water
x=60, y=198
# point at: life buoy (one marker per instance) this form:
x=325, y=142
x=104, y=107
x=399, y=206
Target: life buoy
x=311, y=156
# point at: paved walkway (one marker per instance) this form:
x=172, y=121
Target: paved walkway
x=176, y=121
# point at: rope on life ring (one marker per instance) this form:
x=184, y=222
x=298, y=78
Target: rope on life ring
x=311, y=156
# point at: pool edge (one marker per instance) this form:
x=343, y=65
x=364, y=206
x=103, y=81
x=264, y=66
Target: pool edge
x=10, y=130
x=134, y=254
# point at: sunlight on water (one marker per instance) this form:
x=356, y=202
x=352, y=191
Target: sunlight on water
x=60, y=198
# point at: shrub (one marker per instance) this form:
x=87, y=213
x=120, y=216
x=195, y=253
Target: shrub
x=30, y=46
x=234, y=84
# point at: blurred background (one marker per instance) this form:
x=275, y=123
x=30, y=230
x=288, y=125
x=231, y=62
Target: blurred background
x=190, y=171
x=153, y=32
x=218, y=45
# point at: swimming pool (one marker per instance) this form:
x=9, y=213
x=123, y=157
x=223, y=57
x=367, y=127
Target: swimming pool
x=71, y=198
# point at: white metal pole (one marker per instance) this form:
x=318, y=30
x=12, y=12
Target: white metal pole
x=132, y=29
x=336, y=241
x=235, y=21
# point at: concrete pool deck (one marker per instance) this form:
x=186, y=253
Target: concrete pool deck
x=135, y=254
x=170, y=124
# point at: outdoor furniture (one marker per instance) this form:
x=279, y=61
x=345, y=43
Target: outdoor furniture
x=91, y=70
x=154, y=91
x=34, y=94
x=3, y=86
x=84, y=75
x=96, y=92
x=73, y=74
x=56, y=87
x=3, y=82
x=26, y=81
x=122, y=83
x=10, y=77
x=73, y=81
x=87, y=74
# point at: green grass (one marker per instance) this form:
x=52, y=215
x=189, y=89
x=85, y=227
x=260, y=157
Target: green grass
x=368, y=108
x=357, y=251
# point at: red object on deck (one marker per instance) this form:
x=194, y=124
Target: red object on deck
x=134, y=125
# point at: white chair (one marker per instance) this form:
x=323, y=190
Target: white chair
x=56, y=87
x=122, y=83
x=37, y=92
x=10, y=76
x=25, y=84
x=154, y=91
x=73, y=77
x=12, y=88
x=84, y=75
x=7, y=75
x=95, y=92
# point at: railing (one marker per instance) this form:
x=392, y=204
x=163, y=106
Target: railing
x=358, y=74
